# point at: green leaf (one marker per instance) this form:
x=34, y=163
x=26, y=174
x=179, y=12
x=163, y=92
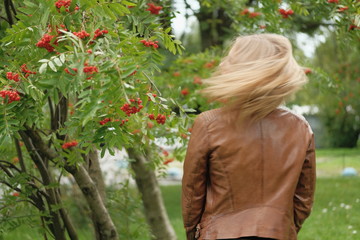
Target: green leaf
x=42, y=68
x=57, y=62
x=52, y=66
x=62, y=58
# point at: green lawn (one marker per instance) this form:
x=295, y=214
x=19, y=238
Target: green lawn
x=336, y=213
x=330, y=162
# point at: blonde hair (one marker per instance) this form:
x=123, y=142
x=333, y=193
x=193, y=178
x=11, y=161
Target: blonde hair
x=256, y=76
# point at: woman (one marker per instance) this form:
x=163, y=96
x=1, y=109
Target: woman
x=249, y=171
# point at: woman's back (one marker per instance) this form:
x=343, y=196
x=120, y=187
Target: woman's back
x=251, y=175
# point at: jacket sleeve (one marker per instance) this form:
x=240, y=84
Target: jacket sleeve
x=194, y=178
x=304, y=194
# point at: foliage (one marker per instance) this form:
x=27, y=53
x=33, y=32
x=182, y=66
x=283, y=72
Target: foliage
x=87, y=83
x=334, y=85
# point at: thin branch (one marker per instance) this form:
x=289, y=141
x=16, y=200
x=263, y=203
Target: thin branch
x=10, y=165
x=13, y=8
x=8, y=12
x=10, y=186
x=152, y=83
x=11, y=205
x=6, y=170
x=19, y=153
x=35, y=156
x=5, y=19
x=52, y=120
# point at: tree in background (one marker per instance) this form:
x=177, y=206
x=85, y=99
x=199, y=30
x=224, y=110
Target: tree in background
x=339, y=108
x=338, y=18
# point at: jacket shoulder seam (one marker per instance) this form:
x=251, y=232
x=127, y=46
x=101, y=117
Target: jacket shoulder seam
x=297, y=116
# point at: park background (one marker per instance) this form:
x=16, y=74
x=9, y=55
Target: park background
x=122, y=78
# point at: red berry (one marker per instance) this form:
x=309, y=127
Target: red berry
x=82, y=34
x=104, y=121
x=16, y=194
x=161, y=119
x=185, y=91
x=254, y=14
x=11, y=95
x=165, y=153
x=151, y=117
x=167, y=161
x=153, y=8
x=69, y=144
x=45, y=43
x=245, y=11
x=307, y=71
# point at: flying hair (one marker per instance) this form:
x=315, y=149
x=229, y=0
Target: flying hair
x=258, y=74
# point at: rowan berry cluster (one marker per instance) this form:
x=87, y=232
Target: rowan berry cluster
x=151, y=116
x=150, y=43
x=106, y=120
x=307, y=71
x=69, y=144
x=153, y=9
x=184, y=91
x=130, y=108
x=12, y=76
x=353, y=26
x=333, y=1
x=25, y=70
x=160, y=119
x=90, y=69
x=154, y=95
x=74, y=69
x=82, y=34
x=99, y=33
x=342, y=9
x=250, y=14
x=63, y=3
x=16, y=194
x=62, y=27
x=169, y=160
x=66, y=4
x=11, y=95
x=286, y=13
x=45, y=42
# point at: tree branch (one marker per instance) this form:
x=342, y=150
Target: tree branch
x=19, y=154
x=13, y=8
x=86, y=184
x=7, y=6
x=5, y=19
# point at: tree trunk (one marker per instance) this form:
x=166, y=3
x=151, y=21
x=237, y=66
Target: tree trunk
x=95, y=173
x=103, y=221
x=214, y=26
x=101, y=218
x=55, y=224
x=94, y=169
x=148, y=186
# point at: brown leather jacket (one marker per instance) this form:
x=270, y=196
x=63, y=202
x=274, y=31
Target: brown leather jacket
x=255, y=180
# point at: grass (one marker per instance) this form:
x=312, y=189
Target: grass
x=336, y=213
x=331, y=162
